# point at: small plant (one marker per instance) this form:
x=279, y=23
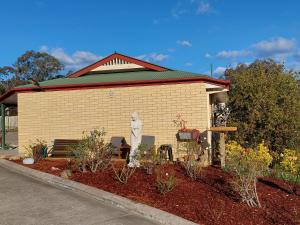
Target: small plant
x=192, y=150
x=165, y=180
x=149, y=158
x=247, y=165
x=180, y=122
x=123, y=172
x=37, y=150
x=192, y=164
x=92, y=152
x=289, y=169
x=193, y=169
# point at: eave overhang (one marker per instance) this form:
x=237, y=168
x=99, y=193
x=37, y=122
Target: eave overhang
x=218, y=82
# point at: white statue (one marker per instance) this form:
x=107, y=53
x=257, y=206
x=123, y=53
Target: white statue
x=136, y=139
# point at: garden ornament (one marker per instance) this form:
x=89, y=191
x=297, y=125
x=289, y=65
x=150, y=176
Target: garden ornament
x=221, y=113
x=136, y=139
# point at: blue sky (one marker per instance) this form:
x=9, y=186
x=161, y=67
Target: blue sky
x=180, y=34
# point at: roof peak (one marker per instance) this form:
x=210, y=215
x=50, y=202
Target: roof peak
x=117, y=62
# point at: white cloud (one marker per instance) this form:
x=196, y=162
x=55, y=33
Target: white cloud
x=141, y=57
x=204, y=7
x=274, y=46
x=207, y=55
x=158, y=57
x=219, y=70
x=75, y=61
x=184, y=43
x=185, y=7
x=278, y=48
x=178, y=10
x=233, y=53
x=154, y=57
x=188, y=64
x=44, y=48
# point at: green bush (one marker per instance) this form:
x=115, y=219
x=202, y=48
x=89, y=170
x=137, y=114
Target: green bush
x=165, y=179
x=288, y=169
x=264, y=99
x=247, y=165
x=92, y=153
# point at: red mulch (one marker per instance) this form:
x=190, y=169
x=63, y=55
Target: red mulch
x=210, y=200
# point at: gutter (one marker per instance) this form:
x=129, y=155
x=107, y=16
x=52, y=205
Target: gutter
x=222, y=83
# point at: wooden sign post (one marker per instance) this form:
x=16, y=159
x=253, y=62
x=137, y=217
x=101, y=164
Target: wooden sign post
x=222, y=131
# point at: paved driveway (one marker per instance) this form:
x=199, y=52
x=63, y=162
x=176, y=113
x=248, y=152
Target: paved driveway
x=25, y=201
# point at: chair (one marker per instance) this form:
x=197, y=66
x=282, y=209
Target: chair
x=120, y=146
x=148, y=143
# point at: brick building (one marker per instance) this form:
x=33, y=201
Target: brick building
x=105, y=94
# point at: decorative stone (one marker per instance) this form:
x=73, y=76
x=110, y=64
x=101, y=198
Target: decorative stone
x=66, y=174
x=14, y=157
x=136, y=139
x=28, y=161
x=53, y=168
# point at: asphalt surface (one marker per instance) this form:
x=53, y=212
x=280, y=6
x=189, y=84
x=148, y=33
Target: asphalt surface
x=25, y=201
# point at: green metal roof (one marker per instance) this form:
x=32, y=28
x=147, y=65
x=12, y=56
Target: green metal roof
x=118, y=77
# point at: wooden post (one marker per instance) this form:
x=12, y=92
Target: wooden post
x=3, y=131
x=222, y=149
x=222, y=131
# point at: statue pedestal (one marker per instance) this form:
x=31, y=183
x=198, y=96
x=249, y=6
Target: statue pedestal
x=223, y=131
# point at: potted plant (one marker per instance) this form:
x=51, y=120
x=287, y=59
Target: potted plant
x=35, y=152
x=185, y=134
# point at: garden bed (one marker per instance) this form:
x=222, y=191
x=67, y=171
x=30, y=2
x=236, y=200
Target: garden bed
x=210, y=200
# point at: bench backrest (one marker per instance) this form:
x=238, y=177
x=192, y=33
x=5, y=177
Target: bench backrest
x=63, y=144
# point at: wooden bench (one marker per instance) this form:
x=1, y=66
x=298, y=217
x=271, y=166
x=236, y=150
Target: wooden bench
x=60, y=147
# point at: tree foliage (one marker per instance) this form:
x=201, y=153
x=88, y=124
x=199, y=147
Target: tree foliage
x=265, y=105
x=35, y=66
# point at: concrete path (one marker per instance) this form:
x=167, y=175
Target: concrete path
x=26, y=201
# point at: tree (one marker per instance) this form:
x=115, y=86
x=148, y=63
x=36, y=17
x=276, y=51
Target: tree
x=36, y=66
x=265, y=105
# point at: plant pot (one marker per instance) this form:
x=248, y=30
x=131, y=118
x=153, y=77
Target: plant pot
x=28, y=161
x=188, y=135
x=184, y=135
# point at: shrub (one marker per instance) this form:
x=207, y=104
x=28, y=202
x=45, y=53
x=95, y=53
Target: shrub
x=193, y=169
x=37, y=150
x=191, y=149
x=247, y=165
x=149, y=158
x=92, y=152
x=192, y=164
x=123, y=172
x=289, y=169
x=264, y=99
x=165, y=179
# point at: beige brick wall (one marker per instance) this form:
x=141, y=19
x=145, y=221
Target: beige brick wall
x=65, y=114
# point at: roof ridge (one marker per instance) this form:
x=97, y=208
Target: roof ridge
x=115, y=55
